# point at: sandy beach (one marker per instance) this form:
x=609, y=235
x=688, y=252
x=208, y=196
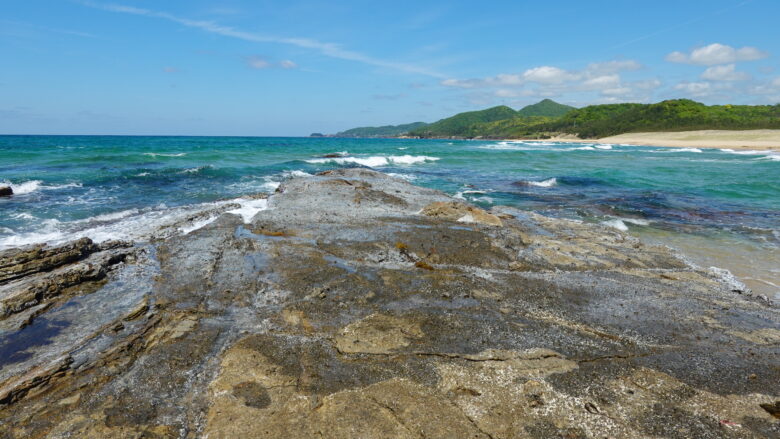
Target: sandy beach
x=749, y=139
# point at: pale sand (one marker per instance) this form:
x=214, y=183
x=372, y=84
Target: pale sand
x=748, y=139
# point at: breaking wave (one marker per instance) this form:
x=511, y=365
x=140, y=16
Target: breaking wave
x=376, y=161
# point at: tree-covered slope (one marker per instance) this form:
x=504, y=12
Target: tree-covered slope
x=548, y=118
x=545, y=108
x=515, y=127
x=461, y=124
x=673, y=115
x=383, y=131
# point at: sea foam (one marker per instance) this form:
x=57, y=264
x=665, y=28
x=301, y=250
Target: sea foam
x=160, y=154
x=377, y=161
x=31, y=186
x=132, y=224
x=550, y=182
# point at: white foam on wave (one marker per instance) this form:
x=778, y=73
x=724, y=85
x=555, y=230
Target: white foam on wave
x=729, y=279
x=407, y=177
x=620, y=223
x=133, y=224
x=484, y=199
x=532, y=142
x=295, y=173
x=31, y=186
x=161, y=154
x=199, y=224
x=114, y=215
x=744, y=151
x=603, y=146
x=637, y=221
x=506, y=146
x=249, y=208
x=550, y=182
x=616, y=224
x=377, y=161
x=766, y=155
x=23, y=215
x=26, y=187
x=697, y=150
x=582, y=148
x=195, y=170
x=270, y=186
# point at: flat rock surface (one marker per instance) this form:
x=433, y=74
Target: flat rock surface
x=361, y=306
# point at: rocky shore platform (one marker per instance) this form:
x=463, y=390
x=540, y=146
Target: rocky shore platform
x=360, y=306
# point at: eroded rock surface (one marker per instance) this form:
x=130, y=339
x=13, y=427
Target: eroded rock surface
x=361, y=306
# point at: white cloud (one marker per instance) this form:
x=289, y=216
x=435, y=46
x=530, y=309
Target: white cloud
x=717, y=53
x=287, y=64
x=677, y=57
x=603, y=78
x=548, y=75
x=601, y=82
x=694, y=88
x=648, y=84
x=461, y=83
x=613, y=66
x=257, y=62
x=724, y=73
x=617, y=92
x=551, y=81
x=328, y=49
x=508, y=79
x=776, y=82
x=593, y=76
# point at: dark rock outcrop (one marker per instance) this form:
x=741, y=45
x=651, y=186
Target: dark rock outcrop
x=32, y=275
x=6, y=191
x=359, y=305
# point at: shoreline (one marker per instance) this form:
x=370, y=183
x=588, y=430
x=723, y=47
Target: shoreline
x=337, y=287
x=765, y=140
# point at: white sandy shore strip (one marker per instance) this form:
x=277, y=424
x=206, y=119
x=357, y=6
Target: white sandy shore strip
x=746, y=139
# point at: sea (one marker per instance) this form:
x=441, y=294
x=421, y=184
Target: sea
x=717, y=207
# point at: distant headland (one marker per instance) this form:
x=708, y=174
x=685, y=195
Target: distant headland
x=678, y=122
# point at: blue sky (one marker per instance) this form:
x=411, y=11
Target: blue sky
x=241, y=67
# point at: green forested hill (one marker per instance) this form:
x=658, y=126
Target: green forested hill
x=549, y=118
x=545, y=108
x=461, y=124
x=674, y=115
x=383, y=131
x=500, y=121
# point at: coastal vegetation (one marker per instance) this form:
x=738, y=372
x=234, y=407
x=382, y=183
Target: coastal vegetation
x=673, y=115
x=383, y=131
x=548, y=119
x=494, y=122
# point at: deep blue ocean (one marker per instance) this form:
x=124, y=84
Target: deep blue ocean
x=719, y=207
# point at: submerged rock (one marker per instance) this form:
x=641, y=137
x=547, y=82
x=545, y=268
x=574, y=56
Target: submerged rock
x=359, y=305
x=6, y=191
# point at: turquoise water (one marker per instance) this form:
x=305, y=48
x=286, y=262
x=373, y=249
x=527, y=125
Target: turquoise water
x=701, y=201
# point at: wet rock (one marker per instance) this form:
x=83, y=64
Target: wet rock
x=6, y=191
x=359, y=305
x=33, y=275
x=460, y=212
x=16, y=263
